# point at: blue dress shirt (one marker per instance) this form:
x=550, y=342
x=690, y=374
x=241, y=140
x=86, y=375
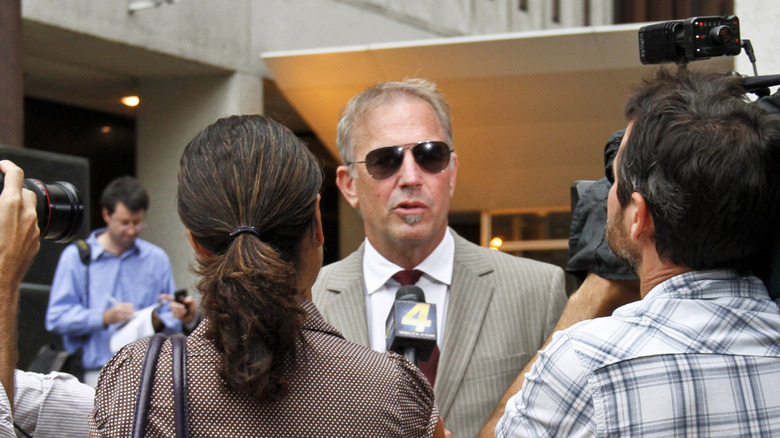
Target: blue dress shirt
x=138, y=276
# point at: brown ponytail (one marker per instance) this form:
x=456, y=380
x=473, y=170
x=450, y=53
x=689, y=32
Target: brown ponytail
x=250, y=171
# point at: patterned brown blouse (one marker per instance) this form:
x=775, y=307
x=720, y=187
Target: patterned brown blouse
x=340, y=390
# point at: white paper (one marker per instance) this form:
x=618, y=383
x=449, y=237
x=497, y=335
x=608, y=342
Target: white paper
x=137, y=327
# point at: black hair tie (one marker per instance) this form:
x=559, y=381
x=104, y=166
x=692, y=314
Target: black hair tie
x=244, y=229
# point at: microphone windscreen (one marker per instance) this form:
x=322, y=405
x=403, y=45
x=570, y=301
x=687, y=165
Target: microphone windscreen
x=411, y=323
x=410, y=292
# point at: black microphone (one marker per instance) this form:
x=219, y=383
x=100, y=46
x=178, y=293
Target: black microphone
x=411, y=325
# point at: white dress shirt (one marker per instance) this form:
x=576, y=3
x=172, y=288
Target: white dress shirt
x=381, y=287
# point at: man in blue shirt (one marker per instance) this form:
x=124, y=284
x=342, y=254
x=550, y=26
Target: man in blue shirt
x=89, y=301
x=695, y=198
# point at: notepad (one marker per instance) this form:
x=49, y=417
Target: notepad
x=137, y=327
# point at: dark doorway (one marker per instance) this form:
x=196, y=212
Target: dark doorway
x=106, y=140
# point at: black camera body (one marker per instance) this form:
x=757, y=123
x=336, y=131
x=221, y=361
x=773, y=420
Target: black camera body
x=692, y=39
x=62, y=207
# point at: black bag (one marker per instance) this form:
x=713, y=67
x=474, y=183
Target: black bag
x=51, y=358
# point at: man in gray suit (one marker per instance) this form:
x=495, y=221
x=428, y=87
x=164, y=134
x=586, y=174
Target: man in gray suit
x=494, y=311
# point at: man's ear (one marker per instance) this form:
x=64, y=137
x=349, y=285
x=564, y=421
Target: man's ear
x=641, y=219
x=106, y=215
x=453, y=173
x=199, y=250
x=348, y=185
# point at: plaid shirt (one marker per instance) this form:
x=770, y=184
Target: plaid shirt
x=698, y=356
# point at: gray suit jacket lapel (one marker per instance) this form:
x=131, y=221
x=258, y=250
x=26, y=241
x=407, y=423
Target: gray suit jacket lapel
x=346, y=292
x=470, y=297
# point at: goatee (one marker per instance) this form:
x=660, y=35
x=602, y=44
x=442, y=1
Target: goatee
x=412, y=219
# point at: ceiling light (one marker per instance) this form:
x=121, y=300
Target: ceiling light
x=131, y=101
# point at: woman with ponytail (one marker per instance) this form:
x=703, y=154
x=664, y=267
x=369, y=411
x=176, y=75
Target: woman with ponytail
x=263, y=362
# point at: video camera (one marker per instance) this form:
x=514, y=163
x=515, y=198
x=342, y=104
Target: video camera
x=698, y=38
x=59, y=207
x=678, y=41
x=689, y=40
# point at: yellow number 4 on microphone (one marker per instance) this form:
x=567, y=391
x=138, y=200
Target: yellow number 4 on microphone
x=418, y=317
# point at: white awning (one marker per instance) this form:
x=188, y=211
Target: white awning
x=531, y=111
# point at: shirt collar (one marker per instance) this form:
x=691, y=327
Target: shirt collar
x=709, y=284
x=377, y=270
x=96, y=249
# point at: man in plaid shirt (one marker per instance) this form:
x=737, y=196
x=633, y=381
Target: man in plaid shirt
x=694, y=202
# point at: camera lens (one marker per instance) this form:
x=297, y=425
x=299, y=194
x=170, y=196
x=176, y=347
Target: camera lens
x=59, y=207
x=720, y=35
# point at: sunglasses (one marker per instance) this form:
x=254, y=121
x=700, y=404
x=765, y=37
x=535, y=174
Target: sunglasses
x=384, y=162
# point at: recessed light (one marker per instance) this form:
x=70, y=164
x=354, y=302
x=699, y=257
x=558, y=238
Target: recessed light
x=131, y=101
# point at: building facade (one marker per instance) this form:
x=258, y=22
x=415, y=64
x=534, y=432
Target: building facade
x=192, y=61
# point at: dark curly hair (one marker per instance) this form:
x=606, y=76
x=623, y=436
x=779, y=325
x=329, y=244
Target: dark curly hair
x=250, y=171
x=126, y=190
x=706, y=162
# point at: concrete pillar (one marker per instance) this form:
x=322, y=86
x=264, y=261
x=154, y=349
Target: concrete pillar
x=172, y=111
x=11, y=82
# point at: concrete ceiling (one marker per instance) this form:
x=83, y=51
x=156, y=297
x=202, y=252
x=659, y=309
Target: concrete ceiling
x=77, y=69
x=531, y=111
x=81, y=70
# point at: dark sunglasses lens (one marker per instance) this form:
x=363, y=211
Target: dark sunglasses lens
x=432, y=156
x=384, y=162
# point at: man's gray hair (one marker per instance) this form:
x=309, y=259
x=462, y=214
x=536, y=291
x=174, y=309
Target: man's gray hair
x=382, y=93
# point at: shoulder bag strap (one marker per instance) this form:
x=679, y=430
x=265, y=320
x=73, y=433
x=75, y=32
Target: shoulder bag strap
x=86, y=257
x=145, y=386
x=180, y=385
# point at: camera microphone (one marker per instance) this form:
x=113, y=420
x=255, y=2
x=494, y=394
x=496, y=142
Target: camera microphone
x=411, y=325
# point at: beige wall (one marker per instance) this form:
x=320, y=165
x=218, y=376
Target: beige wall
x=174, y=110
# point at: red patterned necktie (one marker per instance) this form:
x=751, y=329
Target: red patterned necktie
x=428, y=367
x=407, y=276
